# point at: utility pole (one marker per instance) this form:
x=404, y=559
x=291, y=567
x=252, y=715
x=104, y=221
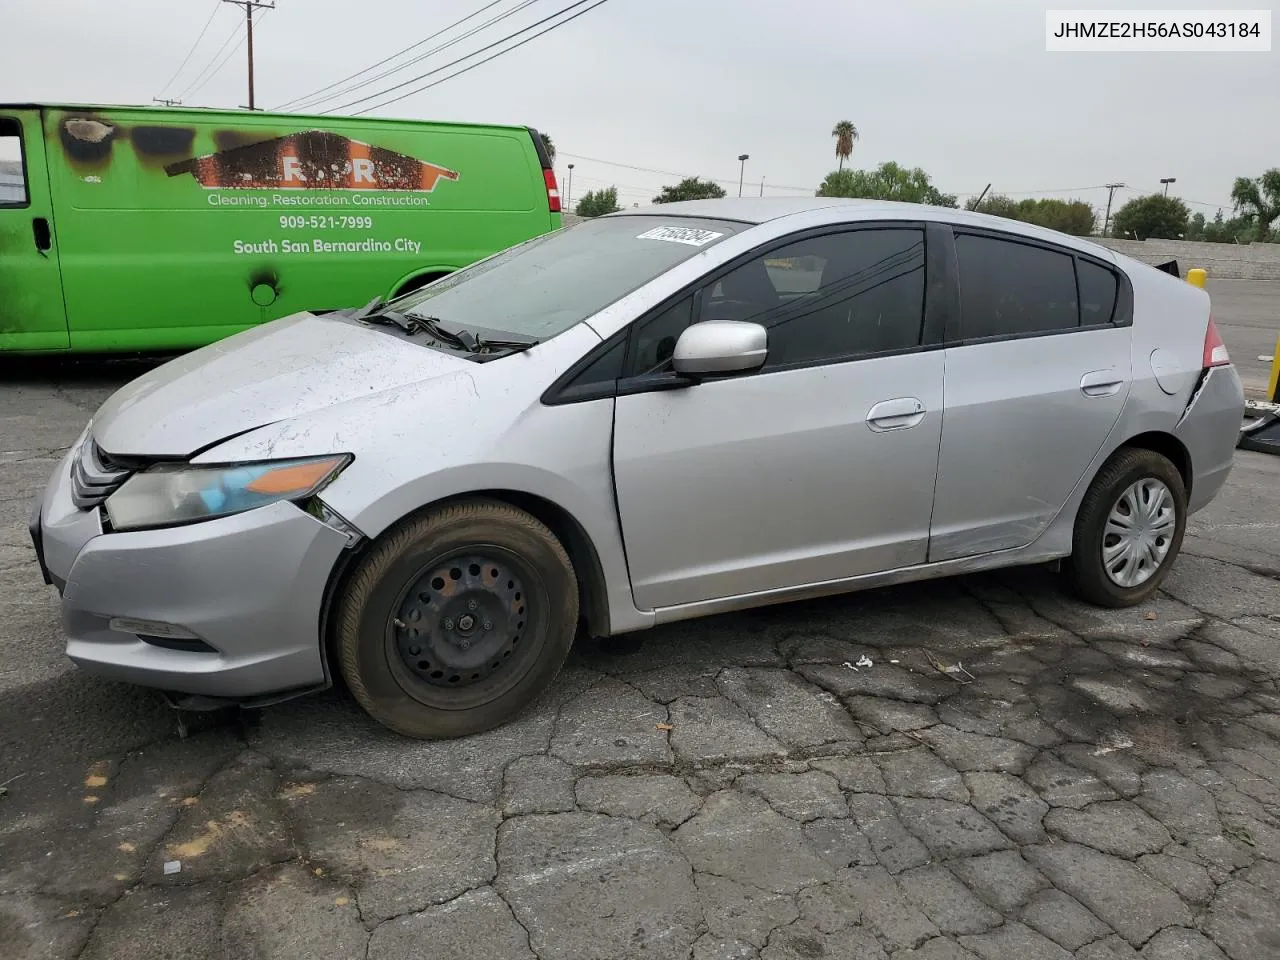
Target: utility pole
x=167, y=103
x=742, y=171
x=249, y=7
x=1111, y=192
x=762, y=186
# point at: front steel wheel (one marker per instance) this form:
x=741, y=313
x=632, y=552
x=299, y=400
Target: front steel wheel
x=1129, y=529
x=457, y=620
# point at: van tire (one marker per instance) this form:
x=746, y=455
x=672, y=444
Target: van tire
x=1126, y=468
x=477, y=594
x=417, y=283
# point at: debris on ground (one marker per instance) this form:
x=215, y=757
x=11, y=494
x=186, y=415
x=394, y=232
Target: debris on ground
x=850, y=666
x=955, y=671
x=865, y=661
x=664, y=726
x=1238, y=832
x=4, y=787
x=172, y=866
x=1149, y=615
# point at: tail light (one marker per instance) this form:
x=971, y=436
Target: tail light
x=553, y=190
x=1215, y=351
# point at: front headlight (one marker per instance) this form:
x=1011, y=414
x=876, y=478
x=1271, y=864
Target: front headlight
x=170, y=494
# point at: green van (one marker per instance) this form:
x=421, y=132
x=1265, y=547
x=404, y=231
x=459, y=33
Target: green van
x=141, y=228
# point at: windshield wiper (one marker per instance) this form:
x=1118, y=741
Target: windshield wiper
x=432, y=326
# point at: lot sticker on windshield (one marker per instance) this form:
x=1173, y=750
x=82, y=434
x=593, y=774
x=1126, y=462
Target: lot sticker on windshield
x=689, y=235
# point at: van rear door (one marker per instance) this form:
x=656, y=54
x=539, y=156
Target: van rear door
x=32, y=313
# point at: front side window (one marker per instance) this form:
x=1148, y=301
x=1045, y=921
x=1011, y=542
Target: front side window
x=1013, y=289
x=545, y=286
x=13, y=181
x=832, y=297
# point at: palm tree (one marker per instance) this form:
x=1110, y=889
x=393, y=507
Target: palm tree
x=1258, y=200
x=551, y=147
x=845, y=133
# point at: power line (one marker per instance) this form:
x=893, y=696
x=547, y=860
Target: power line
x=227, y=59
x=187, y=59
x=314, y=96
x=672, y=173
x=212, y=60
x=458, y=73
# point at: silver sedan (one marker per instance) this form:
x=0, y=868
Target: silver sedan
x=652, y=416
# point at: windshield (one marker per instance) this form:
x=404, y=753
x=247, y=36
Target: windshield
x=544, y=286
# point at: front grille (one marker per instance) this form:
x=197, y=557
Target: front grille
x=96, y=475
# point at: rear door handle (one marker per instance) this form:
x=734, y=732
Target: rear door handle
x=42, y=234
x=1101, y=383
x=897, y=414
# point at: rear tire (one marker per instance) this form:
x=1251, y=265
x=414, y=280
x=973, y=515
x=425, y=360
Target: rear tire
x=1129, y=529
x=457, y=620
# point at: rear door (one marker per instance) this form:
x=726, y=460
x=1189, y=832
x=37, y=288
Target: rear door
x=1037, y=371
x=820, y=466
x=32, y=314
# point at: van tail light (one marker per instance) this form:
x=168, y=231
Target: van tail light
x=1215, y=351
x=553, y=190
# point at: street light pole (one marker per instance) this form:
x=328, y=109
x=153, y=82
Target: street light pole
x=742, y=171
x=762, y=186
x=1166, y=181
x=568, y=191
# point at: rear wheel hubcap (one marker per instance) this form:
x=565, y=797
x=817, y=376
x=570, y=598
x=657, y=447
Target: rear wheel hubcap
x=460, y=621
x=1139, y=532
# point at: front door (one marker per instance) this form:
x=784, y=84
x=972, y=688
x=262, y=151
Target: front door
x=821, y=465
x=32, y=314
x=1034, y=384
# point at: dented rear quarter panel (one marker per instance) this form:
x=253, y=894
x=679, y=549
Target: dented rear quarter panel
x=150, y=205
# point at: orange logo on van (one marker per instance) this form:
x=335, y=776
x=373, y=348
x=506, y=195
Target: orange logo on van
x=312, y=160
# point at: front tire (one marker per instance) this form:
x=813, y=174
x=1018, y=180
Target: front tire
x=1129, y=529
x=457, y=620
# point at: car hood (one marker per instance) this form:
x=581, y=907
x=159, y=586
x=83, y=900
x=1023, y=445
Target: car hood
x=292, y=366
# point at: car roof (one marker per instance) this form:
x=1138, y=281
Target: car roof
x=758, y=210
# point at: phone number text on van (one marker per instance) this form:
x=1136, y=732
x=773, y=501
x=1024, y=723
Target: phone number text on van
x=368, y=245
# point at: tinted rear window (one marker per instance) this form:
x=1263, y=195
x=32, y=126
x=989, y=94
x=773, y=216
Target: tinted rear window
x=545, y=286
x=1009, y=288
x=1097, y=293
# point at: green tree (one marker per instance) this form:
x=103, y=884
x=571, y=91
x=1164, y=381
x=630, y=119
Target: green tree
x=1235, y=230
x=550, y=148
x=1153, y=216
x=690, y=188
x=889, y=181
x=596, y=203
x=996, y=204
x=846, y=135
x=1258, y=201
x=1066, y=216
x=1196, y=228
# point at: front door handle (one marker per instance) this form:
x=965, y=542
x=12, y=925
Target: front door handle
x=43, y=235
x=1101, y=383
x=898, y=414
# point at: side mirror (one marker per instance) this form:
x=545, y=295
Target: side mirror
x=720, y=346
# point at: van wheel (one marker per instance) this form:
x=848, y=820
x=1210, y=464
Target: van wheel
x=417, y=283
x=1129, y=529
x=457, y=620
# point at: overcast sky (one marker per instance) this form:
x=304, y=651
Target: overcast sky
x=963, y=89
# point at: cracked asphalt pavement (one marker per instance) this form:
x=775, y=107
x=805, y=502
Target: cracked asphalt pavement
x=1096, y=785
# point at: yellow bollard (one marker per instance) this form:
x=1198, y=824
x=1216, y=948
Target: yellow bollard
x=1196, y=277
x=1273, y=383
